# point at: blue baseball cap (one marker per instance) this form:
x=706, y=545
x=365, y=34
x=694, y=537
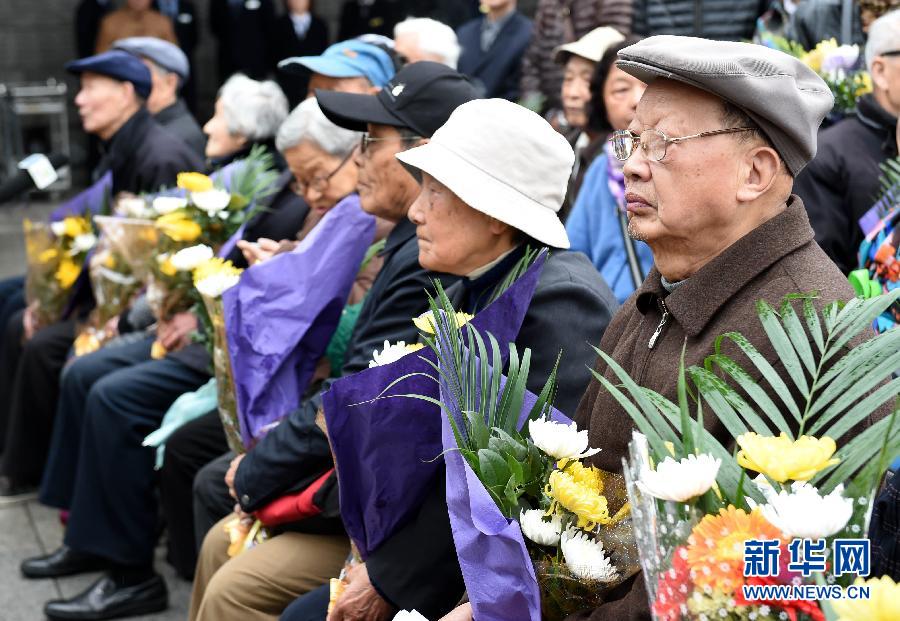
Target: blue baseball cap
x=117, y=65
x=347, y=59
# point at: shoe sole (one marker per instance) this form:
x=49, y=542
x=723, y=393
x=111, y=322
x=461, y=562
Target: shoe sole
x=127, y=611
x=65, y=574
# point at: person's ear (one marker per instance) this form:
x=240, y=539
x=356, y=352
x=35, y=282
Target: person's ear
x=759, y=171
x=878, y=73
x=497, y=227
x=172, y=82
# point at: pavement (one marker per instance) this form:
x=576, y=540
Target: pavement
x=31, y=529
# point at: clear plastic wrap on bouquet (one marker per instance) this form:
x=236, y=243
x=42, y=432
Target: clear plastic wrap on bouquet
x=136, y=240
x=228, y=408
x=52, y=269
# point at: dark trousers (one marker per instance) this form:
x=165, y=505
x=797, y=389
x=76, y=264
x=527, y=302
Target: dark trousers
x=10, y=352
x=310, y=607
x=33, y=401
x=12, y=298
x=75, y=384
x=114, y=512
x=212, y=501
x=191, y=447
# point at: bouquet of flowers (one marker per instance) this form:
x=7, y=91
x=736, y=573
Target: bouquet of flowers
x=211, y=279
x=527, y=458
x=55, y=254
x=750, y=535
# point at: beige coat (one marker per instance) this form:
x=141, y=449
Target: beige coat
x=125, y=22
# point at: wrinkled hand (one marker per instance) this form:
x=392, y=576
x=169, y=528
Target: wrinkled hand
x=360, y=601
x=30, y=321
x=261, y=250
x=176, y=333
x=245, y=518
x=460, y=613
x=111, y=329
x=232, y=472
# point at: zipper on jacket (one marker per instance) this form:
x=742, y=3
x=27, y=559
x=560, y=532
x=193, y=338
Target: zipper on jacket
x=662, y=324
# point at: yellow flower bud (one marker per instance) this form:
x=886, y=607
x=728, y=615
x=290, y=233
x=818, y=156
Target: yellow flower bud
x=194, y=182
x=67, y=273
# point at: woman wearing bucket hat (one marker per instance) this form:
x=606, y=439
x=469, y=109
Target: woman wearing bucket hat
x=493, y=179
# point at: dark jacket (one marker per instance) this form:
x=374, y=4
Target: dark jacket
x=818, y=20
x=496, y=72
x=840, y=184
x=562, y=21
x=284, y=43
x=417, y=568
x=297, y=446
x=88, y=16
x=378, y=17
x=143, y=156
x=243, y=32
x=724, y=20
x=178, y=120
x=777, y=258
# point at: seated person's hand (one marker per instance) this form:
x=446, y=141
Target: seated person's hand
x=261, y=250
x=176, y=333
x=232, y=472
x=460, y=613
x=360, y=601
x=111, y=329
x=30, y=321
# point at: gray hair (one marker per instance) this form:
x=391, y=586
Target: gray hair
x=434, y=38
x=307, y=123
x=252, y=109
x=884, y=36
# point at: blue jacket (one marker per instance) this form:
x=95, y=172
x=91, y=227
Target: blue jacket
x=593, y=228
x=496, y=71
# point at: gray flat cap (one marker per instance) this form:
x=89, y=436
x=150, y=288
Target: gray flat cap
x=167, y=55
x=782, y=95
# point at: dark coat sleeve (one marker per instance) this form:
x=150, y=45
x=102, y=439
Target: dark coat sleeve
x=294, y=450
x=821, y=187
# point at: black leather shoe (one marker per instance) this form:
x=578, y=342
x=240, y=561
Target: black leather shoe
x=106, y=600
x=64, y=561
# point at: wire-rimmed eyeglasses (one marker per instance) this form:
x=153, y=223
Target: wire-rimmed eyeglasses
x=654, y=142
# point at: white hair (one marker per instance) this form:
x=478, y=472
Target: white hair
x=884, y=36
x=307, y=123
x=434, y=38
x=252, y=109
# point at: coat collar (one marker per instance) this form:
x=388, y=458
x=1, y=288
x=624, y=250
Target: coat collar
x=129, y=137
x=694, y=304
x=399, y=235
x=170, y=113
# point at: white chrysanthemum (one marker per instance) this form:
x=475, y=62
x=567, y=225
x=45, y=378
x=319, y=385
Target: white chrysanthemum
x=585, y=557
x=840, y=60
x=215, y=285
x=211, y=201
x=540, y=531
x=409, y=615
x=392, y=352
x=163, y=205
x=188, y=259
x=58, y=228
x=680, y=480
x=803, y=513
x=133, y=207
x=83, y=243
x=560, y=441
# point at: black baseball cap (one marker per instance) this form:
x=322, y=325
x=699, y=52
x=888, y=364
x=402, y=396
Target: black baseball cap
x=421, y=97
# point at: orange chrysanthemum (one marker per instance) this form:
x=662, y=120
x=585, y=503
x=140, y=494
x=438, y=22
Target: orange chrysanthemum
x=716, y=546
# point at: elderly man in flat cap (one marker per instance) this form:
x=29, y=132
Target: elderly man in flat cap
x=710, y=158
x=169, y=71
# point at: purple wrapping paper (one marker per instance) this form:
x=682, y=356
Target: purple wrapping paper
x=89, y=200
x=495, y=563
x=281, y=315
x=386, y=450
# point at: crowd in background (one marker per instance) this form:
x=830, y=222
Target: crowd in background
x=345, y=120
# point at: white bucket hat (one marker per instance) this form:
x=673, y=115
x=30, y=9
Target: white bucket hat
x=505, y=161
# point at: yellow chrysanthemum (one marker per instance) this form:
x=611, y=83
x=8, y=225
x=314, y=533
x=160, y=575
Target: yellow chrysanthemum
x=425, y=321
x=86, y=343
x=194, y=182
x=882, y=605
x=415, y=346
x=73, y=227
x=48, y=255
x=580, y=490
x=783, y=459
x=814, y=58
x=158, y=351
x=178, y=228
x=166, y=267
x=715, y=552
x=215, y=267
x=109, y=262
x=67, y=273
x=863, y=83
